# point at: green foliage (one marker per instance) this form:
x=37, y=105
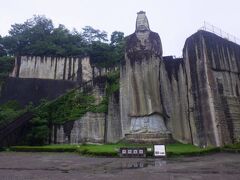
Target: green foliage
x=32, y=33
x=11, y=105
x=47, y=148
x=2, y=49
x=113, y=82
x=235, y=146
x=112, y=149
x=94, y=35
x=70, y=106
x=6, y=66
x=171, y=149
x=188, y=149
x=9, y=111
x=38, y=37
x=108, y=55
x=116, y=38
x=101, y=54
x=102, y=107
x=39, y=131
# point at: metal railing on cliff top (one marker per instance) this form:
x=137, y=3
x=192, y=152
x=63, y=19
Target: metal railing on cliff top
x=211, y=28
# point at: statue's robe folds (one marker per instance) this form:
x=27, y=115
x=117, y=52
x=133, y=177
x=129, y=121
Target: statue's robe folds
x=141, y=85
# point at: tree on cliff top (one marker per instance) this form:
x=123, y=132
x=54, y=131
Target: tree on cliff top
x=91, y=35
x=23, y=37
x=107, y=55
x=38, y=37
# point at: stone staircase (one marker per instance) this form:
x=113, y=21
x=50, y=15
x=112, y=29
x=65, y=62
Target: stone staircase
x=12, y=133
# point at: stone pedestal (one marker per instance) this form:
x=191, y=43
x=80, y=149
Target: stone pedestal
x=149, y=138
x=148, y=129
x=148, y=124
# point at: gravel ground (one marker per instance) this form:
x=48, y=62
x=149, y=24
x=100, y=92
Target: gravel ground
x=70, y=166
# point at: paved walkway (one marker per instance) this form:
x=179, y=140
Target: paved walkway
x=70, y=166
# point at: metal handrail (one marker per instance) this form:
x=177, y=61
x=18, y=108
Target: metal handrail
x=213, y=29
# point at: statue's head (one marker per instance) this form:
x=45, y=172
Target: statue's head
x=142, y=22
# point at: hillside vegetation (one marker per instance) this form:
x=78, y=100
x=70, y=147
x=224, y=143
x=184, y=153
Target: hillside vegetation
x=38, y=37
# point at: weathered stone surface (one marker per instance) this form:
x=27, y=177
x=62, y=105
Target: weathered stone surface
x=212, y=68
x=25, y=90
x=148, y=124
x=140, y=101
x=194, y=99
x=149, y=138
x=90, y=128
x=35, y=78
x=113, y=126
x=174, y=97
x=58, y=68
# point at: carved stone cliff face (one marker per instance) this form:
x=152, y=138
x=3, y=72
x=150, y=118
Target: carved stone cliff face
x=212, y=67
x=141, y=108
x=58, y=68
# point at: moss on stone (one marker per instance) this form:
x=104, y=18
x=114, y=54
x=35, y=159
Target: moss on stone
x=9, y=111
x=112, y=83
x=69, y=107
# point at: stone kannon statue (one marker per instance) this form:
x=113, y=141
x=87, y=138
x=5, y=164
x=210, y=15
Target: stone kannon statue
x=143, y=55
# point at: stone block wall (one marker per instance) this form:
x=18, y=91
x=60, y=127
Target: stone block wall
x=89, y=128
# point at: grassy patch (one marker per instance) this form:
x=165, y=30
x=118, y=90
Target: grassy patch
x=106, y=149
x=188, y=149
x=111, y=150
x=233, y=146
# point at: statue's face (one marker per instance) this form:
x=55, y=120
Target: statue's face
x=142, y=23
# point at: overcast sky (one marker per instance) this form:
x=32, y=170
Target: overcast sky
x=174, y=20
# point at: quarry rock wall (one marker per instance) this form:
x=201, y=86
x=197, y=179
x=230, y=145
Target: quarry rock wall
x=26, y=90
x=174, y=97
x=34, y=78
x=198, y=96
x=58, y=68
x=89, y=128
x=93, y=127
x=113, y=123
x=200, y=93
x=212, y=67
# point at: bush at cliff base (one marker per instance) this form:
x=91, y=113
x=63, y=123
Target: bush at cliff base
x=111, y=150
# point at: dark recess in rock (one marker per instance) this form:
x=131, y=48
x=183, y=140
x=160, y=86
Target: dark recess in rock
x=33, y=90
x=172, y=66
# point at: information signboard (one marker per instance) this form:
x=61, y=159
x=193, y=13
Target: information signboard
x=132, y=152
x=159, y=151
